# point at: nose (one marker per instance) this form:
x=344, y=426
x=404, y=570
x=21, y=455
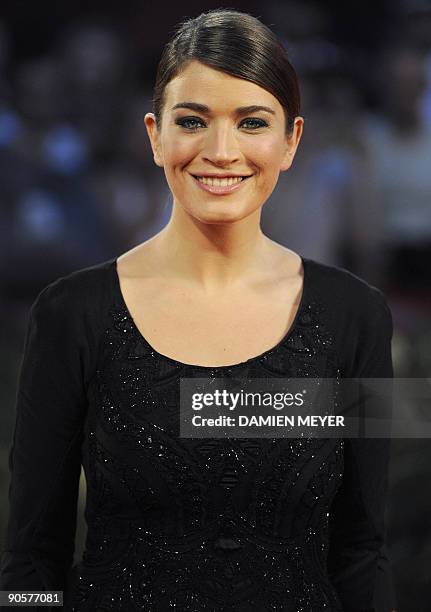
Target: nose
x=221, y=146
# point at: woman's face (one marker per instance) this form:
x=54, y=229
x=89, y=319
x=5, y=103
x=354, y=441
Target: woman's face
x=214, y=136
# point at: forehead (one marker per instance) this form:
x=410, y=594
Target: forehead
x=216, y=89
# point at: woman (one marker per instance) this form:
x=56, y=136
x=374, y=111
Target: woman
x=192, y=524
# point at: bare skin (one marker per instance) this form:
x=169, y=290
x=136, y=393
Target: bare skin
x=211, y=289
x=183, y=321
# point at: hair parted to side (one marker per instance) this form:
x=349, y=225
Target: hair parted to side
x=235, y=43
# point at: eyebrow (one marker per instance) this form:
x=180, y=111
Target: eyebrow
x=241, y=110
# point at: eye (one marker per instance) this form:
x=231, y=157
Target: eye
x=191, y=124
x=257, y=123
x=187, y=122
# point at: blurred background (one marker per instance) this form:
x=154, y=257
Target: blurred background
x=78, y=184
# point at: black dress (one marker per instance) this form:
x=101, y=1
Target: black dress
x=194, y=525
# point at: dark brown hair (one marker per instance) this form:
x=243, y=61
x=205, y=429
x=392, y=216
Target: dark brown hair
x=235, y=43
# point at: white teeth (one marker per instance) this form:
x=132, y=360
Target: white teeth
x=219, y=182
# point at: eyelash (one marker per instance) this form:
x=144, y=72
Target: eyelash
x=183, y=120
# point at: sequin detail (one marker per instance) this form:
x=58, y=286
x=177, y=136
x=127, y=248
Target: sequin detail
x=203, y=525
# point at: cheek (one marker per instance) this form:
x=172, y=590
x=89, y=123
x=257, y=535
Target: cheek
x=179, y=151
x=265, y=154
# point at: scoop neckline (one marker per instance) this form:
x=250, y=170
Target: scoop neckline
x=250, y=360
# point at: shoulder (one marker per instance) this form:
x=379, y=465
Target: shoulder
x=346, y=293
x=76, y=293
x=65, y=324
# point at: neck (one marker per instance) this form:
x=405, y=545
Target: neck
x=215, y=256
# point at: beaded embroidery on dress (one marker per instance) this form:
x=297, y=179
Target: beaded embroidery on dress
x=202, y=525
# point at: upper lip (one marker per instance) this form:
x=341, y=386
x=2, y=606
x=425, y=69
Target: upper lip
x=225, y=175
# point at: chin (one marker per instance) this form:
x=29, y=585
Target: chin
x=227, y=216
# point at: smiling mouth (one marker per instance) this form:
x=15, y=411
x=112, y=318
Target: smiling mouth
x=222, y=181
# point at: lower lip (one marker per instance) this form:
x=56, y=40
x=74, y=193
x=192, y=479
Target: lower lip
x=219, y=189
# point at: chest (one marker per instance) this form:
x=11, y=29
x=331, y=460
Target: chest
x=218, y=329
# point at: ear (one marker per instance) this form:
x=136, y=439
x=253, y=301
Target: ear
x=153, y=134
x=292, y=143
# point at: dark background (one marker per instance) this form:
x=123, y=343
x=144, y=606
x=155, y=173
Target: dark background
x=78, y=184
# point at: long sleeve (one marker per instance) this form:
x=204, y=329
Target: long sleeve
x=357, y=560
x=45, y=454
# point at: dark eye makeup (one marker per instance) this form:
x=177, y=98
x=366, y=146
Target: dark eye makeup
x=187, y=123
